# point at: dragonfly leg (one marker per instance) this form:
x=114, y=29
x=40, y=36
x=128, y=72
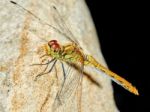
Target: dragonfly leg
x=47, y=64
x=64, y=73
x=44, y=63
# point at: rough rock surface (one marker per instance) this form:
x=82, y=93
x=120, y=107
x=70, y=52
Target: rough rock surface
x=21, y=35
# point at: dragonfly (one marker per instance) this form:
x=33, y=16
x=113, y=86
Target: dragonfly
x=73, y=55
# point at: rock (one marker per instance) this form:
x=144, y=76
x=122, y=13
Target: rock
x=22, y=35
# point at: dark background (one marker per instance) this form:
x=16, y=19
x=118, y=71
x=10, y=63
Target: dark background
x=121, y=27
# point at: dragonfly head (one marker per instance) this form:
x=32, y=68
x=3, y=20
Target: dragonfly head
x=53, y=44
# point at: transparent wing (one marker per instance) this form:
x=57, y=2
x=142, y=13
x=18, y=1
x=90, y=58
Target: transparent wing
x=66, y=96
x=64, y=29
x=63, y=26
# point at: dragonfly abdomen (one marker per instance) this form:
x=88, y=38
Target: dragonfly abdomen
x=118, y=79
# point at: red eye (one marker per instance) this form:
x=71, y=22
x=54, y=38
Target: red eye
x=53, y=41
x=54, y=45
x=50, y=43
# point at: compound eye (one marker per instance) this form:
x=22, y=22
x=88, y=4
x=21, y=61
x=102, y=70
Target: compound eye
x=55, y=47
x=52, y=42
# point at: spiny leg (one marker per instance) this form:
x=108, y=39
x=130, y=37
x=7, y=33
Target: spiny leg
x=51, y=67
x=47, y=64
x=45, y=70
x=42, y=61
x=64, y=73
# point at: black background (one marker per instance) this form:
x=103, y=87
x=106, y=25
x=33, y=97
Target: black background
x=121, y=27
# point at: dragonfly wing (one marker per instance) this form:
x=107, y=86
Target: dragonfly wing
x=66, y=96
x=63, y=26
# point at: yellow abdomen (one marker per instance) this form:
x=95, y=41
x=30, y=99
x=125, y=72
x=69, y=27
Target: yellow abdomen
x=119, y=80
